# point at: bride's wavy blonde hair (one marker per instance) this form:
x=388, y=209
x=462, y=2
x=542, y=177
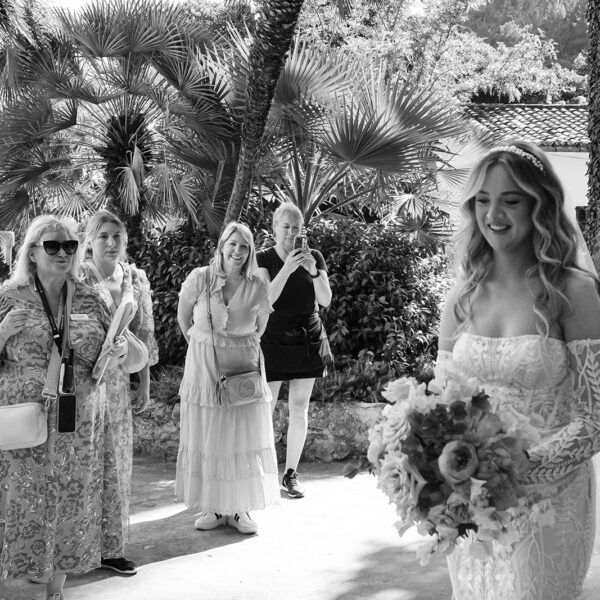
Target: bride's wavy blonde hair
x=554, y=236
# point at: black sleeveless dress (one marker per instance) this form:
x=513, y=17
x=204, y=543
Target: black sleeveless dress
x=294, y=344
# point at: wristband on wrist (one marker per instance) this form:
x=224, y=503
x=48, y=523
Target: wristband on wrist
x=314, y=276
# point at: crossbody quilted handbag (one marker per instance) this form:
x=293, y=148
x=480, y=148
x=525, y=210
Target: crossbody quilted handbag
x=240, y=388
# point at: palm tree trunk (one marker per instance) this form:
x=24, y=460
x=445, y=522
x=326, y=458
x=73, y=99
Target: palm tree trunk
x=592, y=226
x=274, y=32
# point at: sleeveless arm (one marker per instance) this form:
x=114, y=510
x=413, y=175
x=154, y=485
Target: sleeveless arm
x=562, y=452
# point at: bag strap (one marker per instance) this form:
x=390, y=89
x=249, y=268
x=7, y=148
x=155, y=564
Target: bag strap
x=56, y=359
x=57, y=330
x=212, y=334
x=210, y=323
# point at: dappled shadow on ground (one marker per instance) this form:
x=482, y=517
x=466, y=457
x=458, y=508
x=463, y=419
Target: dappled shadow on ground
x=161, y=528
x=157, y=540
x=394, y=573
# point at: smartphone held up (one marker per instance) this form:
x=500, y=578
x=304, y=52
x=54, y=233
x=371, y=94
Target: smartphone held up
x=300, y=242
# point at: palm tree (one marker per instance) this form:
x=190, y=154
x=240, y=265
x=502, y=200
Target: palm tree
x=341, y=134
x=23, y=27
x=276, y=23
x=95, y=95
x=163, y=114
x=592, y=226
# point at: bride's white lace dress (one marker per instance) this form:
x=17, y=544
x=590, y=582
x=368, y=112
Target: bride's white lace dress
x=558, y=382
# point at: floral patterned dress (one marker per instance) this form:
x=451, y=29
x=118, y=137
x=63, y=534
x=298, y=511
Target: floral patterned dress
x=51, y=496
x=559, y=382
x=119, y=421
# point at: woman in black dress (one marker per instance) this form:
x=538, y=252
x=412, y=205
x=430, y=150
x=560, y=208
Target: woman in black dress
x=294, y=343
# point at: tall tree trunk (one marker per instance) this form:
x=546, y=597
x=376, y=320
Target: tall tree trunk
x=274, y=32
x=592, y=227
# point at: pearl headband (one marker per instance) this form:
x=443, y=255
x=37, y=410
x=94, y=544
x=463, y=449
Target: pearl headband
x=519, y=152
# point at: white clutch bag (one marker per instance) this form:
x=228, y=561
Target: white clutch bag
x=23, y=425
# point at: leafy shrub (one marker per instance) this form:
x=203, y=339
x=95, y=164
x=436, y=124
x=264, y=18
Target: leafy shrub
x=356, y=379
x=387, y=292
x=168, y=257
x=165, y=384
x=383, y=318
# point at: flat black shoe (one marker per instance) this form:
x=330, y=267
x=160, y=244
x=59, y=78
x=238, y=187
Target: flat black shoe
x=119, y=565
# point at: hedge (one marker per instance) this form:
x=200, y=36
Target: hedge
x=382, y=321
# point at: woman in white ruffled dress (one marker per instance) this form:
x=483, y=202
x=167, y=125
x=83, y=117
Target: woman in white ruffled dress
x=524, y=319
x=226, y=465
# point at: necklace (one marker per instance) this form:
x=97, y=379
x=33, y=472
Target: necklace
x=114, y=276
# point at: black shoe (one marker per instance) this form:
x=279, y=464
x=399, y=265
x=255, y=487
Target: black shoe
x=290, y=484
x=120, y=565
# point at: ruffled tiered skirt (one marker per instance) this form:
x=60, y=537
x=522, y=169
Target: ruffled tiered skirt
x=226, y=461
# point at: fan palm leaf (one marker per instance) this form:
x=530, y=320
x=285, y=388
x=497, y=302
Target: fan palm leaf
x=14, y=210
x=307, y=84
x=112, y=28
x=367, y=140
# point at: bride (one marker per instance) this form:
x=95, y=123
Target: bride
x=524, y=319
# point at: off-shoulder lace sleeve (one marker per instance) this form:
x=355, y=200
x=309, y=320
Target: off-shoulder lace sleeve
x=578, y=441
x=142, y=324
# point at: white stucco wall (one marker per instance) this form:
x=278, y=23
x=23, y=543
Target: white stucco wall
x=571, y=167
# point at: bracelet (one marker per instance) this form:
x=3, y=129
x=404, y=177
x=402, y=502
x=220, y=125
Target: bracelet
x=315, y=276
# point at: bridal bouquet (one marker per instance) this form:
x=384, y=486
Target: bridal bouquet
x=450, y=464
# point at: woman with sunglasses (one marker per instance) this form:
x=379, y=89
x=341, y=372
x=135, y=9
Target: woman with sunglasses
x=106, y=269
x=51, y=495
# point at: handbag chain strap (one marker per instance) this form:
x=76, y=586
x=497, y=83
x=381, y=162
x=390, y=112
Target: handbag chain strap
x=210, y=323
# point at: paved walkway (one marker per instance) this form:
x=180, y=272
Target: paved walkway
x=338, y=543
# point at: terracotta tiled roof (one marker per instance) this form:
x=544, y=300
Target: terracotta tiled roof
x=552, y=126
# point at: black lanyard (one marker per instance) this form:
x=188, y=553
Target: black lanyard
x=57, y=332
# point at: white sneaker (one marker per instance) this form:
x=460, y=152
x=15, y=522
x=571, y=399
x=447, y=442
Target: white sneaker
x=208, y=521
x=243, y=523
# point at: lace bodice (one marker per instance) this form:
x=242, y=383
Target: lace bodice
x=550, y=379
x=527, y=372
x=559, y=382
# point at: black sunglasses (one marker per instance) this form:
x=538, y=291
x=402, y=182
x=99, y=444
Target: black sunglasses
x=52, y=247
